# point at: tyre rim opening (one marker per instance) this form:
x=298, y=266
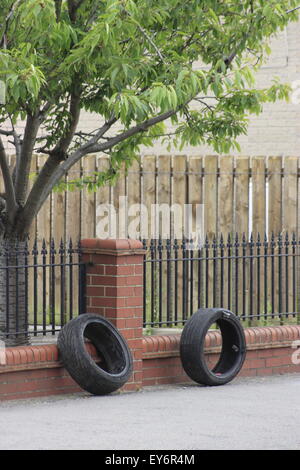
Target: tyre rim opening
x=230, y=341
x=110, y=355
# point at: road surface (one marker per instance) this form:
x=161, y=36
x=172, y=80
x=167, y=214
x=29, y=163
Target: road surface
x=248, y=413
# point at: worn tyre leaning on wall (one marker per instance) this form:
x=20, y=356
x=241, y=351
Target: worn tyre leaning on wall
x=233, y=350
x=115, y=366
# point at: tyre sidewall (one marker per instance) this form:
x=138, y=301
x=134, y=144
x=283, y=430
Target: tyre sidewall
x=79, y=363
x=192, y=349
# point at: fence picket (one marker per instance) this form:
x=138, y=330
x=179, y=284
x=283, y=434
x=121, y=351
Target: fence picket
x=134, y=197
x=103, y=200
x=164, y=223
x=225, y=195
x=119, y=191
x=195, y=196
x=210, y=212
x=259, y=220
x=149, y=183
x=88, y=207
x=290, y=213
x=179, y=194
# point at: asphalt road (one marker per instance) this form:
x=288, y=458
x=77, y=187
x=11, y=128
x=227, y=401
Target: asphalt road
x=256, y=413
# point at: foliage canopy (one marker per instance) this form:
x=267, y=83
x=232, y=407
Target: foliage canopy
x=136, y=64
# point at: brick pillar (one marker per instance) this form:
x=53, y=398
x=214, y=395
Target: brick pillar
x=114, y=290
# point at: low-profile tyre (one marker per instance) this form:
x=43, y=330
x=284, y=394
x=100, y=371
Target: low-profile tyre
x=233, y=350
x=115, y=367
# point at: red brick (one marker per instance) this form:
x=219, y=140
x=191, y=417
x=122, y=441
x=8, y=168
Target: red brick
x=119, y=291
x=121, y=281
x=111, y=270
x=138, y=291
x=138, y=355
x=108, y=302
x=279, y=352
x=138, y=376
x=134, y=301
x=125, y=271
x=255, y=364
x=135, y=281
x=43, y=355
x=288, y=369
x=155, y=372
x=263, y=352
x=119, y=322
x=130, y=260
x=122, y=312
x=250, y=336
x=96, y=310
x=139, y=269
x=23, y=355
x=9, y=357
x=95, y=269
x=128, y=333
x=95, y=291
x=133, y=323
x=133, y=343
x=36, y=354
x=102, y=281
x=278, y=361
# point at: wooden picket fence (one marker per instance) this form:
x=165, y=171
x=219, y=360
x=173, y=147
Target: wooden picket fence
x=240, y=194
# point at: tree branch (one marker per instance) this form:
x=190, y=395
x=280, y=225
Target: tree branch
x=293, y=9
x=22, y=175
x=73, y=7
x=6, y=133
x=6, y=23
x=58, y=4
x=11, y=205
x=17, y=142
x=149, y=39
x=144, y=32
x=62, y=146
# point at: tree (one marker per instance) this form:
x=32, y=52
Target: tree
x=132, y=62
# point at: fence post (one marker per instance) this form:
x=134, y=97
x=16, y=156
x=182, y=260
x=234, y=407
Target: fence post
x=114, y=289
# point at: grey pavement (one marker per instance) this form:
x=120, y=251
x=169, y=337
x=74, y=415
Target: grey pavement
x=248, y=413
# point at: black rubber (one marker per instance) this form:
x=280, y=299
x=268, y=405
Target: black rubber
x=115, y=367
x=233, y=351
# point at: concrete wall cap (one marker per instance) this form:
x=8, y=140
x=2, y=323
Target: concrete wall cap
x=96, y=245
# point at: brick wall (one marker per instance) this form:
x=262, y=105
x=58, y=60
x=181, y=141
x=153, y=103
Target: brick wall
x=114, y=290
x=269, y=352
x=33, y=371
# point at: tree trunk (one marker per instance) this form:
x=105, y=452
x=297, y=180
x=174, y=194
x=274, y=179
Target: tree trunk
x=13, y=293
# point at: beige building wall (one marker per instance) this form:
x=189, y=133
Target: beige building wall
x=277, y=130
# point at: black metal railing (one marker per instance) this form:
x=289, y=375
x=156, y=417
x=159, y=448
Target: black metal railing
x=42, y=287
x=256, y=278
